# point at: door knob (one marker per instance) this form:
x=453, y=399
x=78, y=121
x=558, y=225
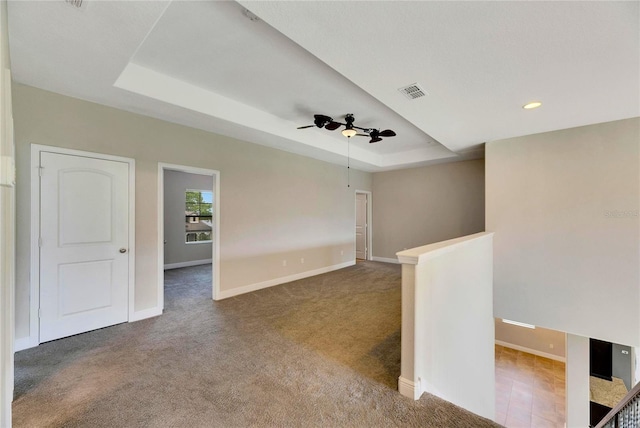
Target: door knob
x=123, y=250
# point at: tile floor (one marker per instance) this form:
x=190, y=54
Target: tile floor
x=530, y=390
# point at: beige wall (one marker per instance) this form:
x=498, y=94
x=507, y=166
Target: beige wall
x=176, y=250
x=419, y=206
x=539, y=339
x=7, y=216
x=274, y=205
x=564, y=209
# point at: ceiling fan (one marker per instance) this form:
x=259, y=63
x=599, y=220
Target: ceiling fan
x=326, y=122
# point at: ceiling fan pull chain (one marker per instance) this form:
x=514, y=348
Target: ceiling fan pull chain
x=349, y=162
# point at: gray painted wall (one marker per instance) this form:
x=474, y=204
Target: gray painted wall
x=539, y=339
x=420, y=206
x=622, y=364
x=564, y=209
x=176, y=183
x=274, y=205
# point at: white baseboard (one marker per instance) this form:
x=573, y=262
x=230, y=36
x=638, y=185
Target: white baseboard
x=531, y=351
x=25, y=343
x=385, y=260
x=145, y=313
x=187, y=264
x=224, y=294
x=408, y=389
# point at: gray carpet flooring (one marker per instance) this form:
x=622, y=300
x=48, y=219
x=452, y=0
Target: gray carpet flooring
x=323, y=351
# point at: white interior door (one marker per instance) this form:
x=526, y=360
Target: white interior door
x=361, y=226
x=84, y=243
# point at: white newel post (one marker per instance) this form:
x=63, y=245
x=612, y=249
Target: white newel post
x=406, y=382
x=447, y=322
x=577, y=381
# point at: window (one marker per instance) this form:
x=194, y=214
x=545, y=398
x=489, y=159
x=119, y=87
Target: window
x=198, y=215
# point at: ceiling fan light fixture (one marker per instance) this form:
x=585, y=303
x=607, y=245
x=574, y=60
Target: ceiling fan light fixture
x=349, y=132
x=350, y=129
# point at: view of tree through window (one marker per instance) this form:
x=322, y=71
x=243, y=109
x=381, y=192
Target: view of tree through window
x=198, y=215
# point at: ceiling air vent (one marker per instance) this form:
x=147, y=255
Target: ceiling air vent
x=413, y=91
x=78, y=4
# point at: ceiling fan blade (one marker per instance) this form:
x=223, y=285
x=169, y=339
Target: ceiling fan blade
x=375, y=140
x=322, y=118
x=305, y=127
x=387, y=133
x=332, y=126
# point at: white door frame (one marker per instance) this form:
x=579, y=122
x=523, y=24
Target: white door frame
x=369, y=242
x=215, y=265
x=8, y=249
x=34, y=325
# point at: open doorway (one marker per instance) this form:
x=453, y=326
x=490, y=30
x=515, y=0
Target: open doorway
x=188, y=226
x=363, y=225
x=611, y=376
x=531, y=375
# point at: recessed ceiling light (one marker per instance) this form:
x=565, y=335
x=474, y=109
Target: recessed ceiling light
x=532, y=105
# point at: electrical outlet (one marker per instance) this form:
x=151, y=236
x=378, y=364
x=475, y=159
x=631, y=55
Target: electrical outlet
x=342, y=252
x=302, y=260
x=284, y=263
x=551, y=346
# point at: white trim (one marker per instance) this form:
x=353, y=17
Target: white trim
x=160, y=211
x=8, y=239
x=36, y=149
x=215, y=263
x=132, y=237
x=408, y=389
x=187, y=264
x=34, y=281
x=531, y=351
x=283, y=279
x=385, y=260
x=369, y=242
x=145, y=313
x=518, y=323
x=420, y=255
x=24, y=343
